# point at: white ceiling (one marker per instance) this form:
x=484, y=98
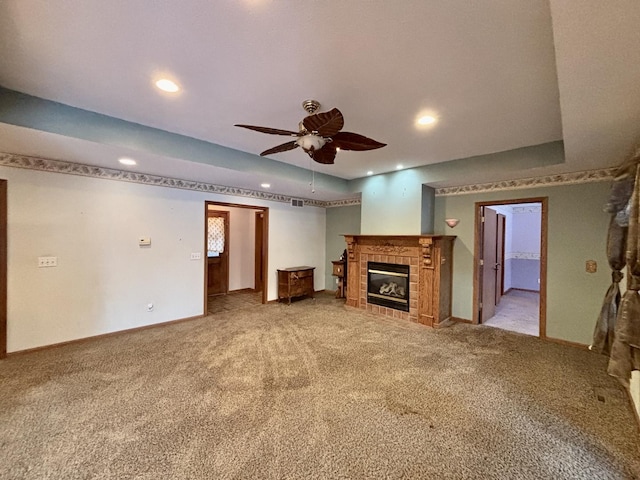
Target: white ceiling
x=499, y=75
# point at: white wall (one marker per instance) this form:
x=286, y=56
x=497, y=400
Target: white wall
x=104, y=280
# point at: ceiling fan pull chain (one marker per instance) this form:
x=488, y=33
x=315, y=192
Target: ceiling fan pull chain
x=313, y=176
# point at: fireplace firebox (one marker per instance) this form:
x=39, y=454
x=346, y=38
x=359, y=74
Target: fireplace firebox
x=388, y=285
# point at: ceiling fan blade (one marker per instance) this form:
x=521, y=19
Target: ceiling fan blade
x=272, y=131
x=354, y=141
x=325, y=155
x=327, y=124
x=281, y=148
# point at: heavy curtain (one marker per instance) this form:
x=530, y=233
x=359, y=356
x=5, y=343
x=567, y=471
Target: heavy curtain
x=617, y=331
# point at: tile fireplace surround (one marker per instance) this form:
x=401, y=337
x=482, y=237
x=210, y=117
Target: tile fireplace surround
x=430, y=259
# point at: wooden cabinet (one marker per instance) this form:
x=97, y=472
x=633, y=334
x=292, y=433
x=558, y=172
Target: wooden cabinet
x=338, y=271
x=295, y=282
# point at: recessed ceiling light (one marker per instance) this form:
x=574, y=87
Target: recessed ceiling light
x=265, y=185
x=127, y=161
x=369, y=172
x=167, y=85
x=427, y=120
x=399, y=167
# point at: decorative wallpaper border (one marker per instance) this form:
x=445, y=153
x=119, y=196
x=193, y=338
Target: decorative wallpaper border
x=586, y=176
x=70, y=168
x=517, y=210
x=522, y=256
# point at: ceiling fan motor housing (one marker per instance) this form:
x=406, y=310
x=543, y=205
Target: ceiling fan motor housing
x=311, y=106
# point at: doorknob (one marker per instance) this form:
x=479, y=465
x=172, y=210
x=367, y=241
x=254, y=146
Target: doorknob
x=497, y=267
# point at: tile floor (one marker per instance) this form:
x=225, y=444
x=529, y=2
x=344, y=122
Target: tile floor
x=233, y=301
x=518, y=311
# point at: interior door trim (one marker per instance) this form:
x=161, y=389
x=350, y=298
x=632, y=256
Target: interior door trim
x=265, y=246
x=544, y=202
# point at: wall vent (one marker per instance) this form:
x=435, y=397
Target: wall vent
x=295, y=202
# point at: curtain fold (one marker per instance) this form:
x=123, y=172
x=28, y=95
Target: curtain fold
x=603, y=334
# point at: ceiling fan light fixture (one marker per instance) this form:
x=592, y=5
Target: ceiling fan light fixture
x=311, y=142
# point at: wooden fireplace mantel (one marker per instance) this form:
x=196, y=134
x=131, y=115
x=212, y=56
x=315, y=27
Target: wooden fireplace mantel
x=430, y=258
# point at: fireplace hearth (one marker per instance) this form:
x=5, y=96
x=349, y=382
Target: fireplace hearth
x=388, y=285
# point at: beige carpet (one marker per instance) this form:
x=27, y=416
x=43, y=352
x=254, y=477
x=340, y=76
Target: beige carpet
x=314, y=390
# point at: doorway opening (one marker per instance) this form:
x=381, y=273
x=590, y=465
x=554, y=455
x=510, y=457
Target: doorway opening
x=510, y=265
x=236, y=242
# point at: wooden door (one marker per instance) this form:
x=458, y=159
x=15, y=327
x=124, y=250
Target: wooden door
x=259, y=253
x=488, y=264
x=217, y=252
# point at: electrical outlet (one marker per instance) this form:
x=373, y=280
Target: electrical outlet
x=195, y=256
x=47, y=262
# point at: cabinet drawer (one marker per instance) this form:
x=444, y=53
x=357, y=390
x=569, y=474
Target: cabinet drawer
x=301, y=274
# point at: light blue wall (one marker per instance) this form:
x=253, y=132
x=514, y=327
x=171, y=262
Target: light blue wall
x=392, y=204
x=525, y=273
x=427, y=209
x=340, y=221
x=32, y=112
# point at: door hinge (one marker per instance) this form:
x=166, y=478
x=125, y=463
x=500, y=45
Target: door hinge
x=481, y=262
x=482, y=219
x=480, y=305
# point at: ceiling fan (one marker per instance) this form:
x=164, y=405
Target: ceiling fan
x=319, y=135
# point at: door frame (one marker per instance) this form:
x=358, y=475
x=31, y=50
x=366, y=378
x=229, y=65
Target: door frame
x=259, y=250
x=544, y=220
x=3, y=269
x=265, y=245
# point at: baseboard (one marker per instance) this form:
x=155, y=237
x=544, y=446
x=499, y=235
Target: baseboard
x=102, y=335
x=581, y=346
x=243, y=290
x=521, y=290
x=461, y=320
x=445, y=323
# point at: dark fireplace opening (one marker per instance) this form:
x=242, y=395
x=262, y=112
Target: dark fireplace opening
x=388, y=285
